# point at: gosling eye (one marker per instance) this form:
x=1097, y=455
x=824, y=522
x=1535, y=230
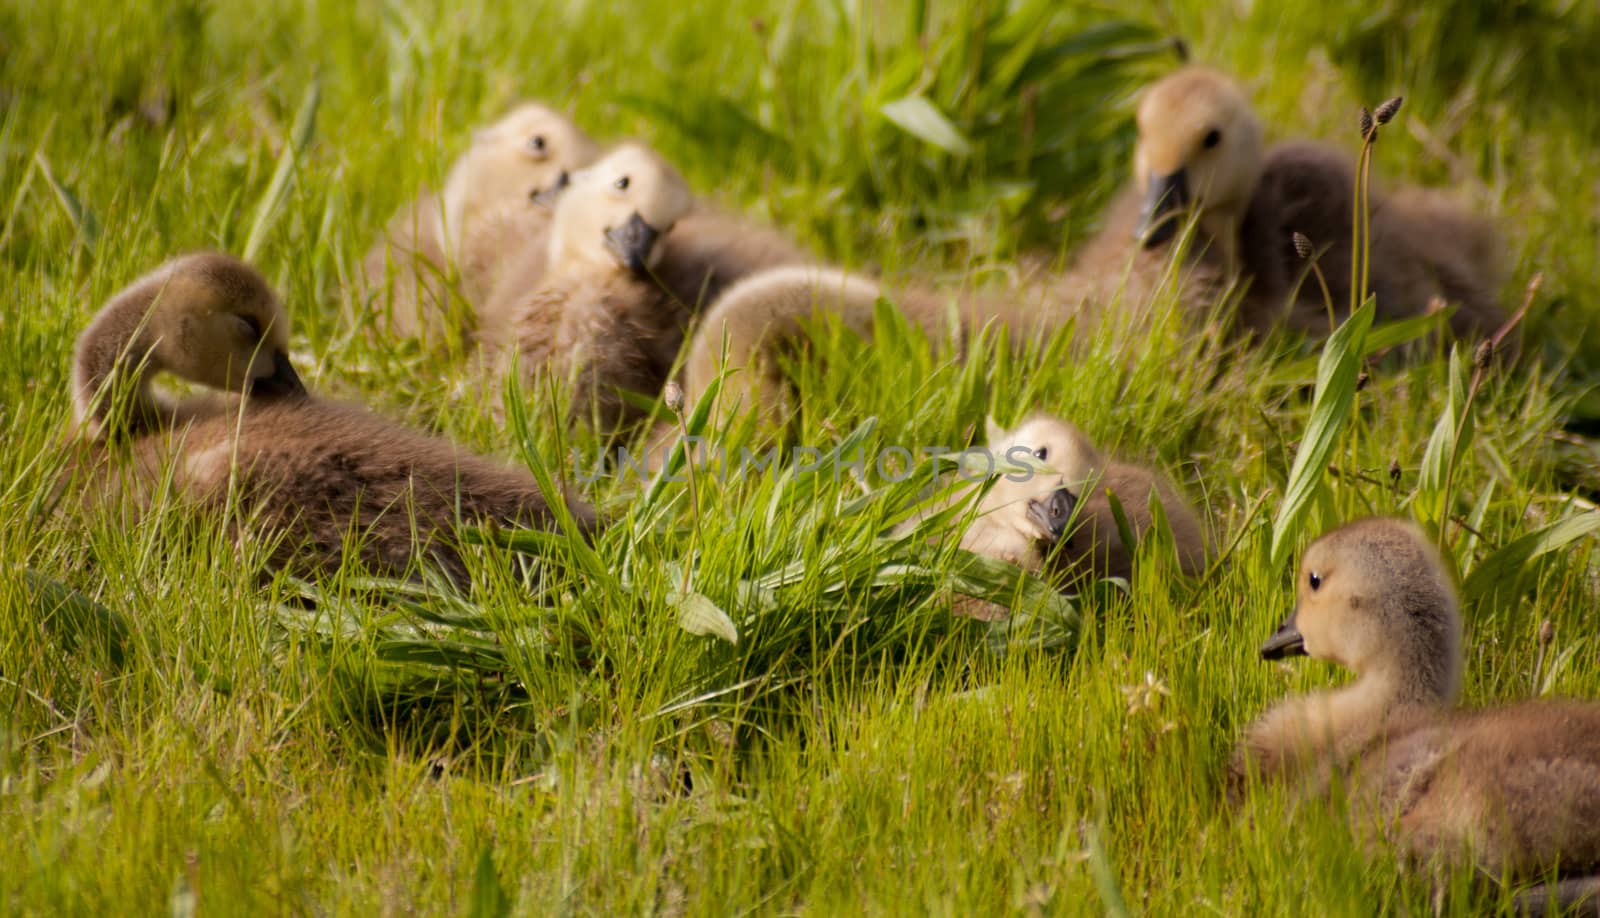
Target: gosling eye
x=1212, y=138
x=621, y=184
x=1042, y=453
x=1315, y=579
x=252, y=327
x=536, y=143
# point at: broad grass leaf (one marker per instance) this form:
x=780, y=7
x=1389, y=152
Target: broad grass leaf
x=518, y=424
x=921, y=119
x=78, y=620
x=697, y=614
x=1381, y=337
x=1503, y=569
x=489, y=896
x=1451, y=437
x=1330, y=409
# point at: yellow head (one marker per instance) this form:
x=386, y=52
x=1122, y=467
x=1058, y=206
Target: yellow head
x=1199, y=145
x=1039, y=505
x=1375, y=597
x=529, y=152
x=615, y=212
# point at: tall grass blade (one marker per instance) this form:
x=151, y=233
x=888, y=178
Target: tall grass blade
x=83, y=221
x=271, y=201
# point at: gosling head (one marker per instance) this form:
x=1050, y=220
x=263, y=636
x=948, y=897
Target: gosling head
x=615, y=212
x=1040, y=506
x=209, y=318
x=1199, y=146
x=1375, y=597
x=525, y=158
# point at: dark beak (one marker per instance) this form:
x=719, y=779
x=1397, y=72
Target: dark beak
x=1166, y=199
x=546, y=197
x=1285, y=642
x=283, y=383
x=1051, y=514
x=631, y=243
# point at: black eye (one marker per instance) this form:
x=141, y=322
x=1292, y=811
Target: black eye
x=1315, y=579
x=1213, y=137
x=621, y=183
x=1042, y=453
x=252, y=327
x=536, y=143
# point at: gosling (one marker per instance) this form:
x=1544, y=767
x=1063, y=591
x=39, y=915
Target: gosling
x=769, y=312
x=1200, y=149
x=1061, y=519
x=307, y=472
x=495, y=206
x=598, y=317
x=1514, y=791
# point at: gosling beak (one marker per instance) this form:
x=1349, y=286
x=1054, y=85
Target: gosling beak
x=1163, y=202
x=1285, y=642
x=546, y=197
x=632, y=242
x=1051, y=514
x=283, y=383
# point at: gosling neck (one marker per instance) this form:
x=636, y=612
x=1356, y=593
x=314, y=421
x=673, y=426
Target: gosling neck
x=112, y=370
x=1354, y=713
x=1221, y=227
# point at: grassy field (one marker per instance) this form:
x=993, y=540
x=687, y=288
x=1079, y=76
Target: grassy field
x=240, y=750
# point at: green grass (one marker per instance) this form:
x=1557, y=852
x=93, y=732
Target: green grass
x=858, y=749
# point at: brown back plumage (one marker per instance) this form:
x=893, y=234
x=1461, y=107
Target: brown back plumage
x=319, y=475
x=309, y=472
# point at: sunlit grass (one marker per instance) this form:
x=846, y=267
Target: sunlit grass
x=858, y=749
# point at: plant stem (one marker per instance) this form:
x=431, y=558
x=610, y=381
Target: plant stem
x=694, y=502
x=1479, y=371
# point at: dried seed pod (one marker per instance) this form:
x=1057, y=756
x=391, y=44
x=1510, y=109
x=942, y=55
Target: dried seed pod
x=1484, y=355
x=1302, y=244
x=1547, y=632
x=673, y=396
x=1366, y=122
x=1394, y=472
x=1383, y=113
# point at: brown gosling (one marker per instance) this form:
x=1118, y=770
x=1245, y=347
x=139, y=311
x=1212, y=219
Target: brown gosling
x=597, y=316
x=1200, y=149
x=495, y=208
x=1061, y=519
x=767, y=314
x=307, y=472
x=1514, y=790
